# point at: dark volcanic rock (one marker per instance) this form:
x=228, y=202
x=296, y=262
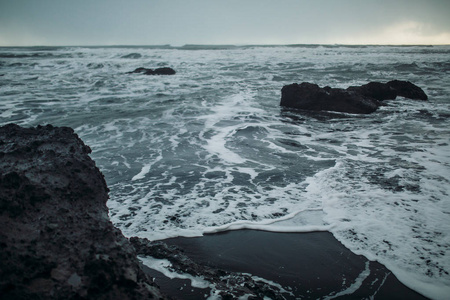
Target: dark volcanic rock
x=158, y=71
x=310, y=96
x=407, y=89
x=376, y=90
x=56, y=239
x=390, y=90
x=355, y=99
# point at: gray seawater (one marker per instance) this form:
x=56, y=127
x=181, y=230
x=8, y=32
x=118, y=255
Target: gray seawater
x=210, y=149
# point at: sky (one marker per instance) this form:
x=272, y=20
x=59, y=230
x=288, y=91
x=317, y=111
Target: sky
x=237, y=22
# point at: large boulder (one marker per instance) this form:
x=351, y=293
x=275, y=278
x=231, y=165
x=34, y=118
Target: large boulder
x=310, y=96
x=158, y=71
x=355, y=99
x=56, y=239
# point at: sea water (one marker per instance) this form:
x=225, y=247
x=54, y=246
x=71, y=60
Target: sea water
x=210, y=149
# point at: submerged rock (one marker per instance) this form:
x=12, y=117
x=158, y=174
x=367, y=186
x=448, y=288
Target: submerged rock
x=56, y=239
x=158, y=71
x=355, y=99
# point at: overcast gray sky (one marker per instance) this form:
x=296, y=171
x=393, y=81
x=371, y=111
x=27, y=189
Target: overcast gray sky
x=178, y=22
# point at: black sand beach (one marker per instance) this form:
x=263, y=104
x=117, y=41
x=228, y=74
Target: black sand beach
x=310, y=265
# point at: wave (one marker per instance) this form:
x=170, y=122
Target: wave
x=133, y=55
x=210, y=148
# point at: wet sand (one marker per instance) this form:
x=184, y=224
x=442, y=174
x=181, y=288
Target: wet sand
x=310, y=265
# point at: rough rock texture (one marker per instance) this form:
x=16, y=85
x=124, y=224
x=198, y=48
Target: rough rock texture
x=158, y=71
x=390, y=90
x=376, y=90
x=407, y=89
x=310, y=96
x=56, y=240
x=229, y=285
x=355, y=99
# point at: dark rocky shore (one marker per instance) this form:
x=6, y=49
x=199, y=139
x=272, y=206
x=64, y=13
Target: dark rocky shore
x=56, y=239
x=362, y=99
x=57, y=242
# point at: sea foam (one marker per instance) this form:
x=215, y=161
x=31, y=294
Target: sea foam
x=209, y=148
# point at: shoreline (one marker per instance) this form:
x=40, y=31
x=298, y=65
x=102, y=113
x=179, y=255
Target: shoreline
x=308, y=265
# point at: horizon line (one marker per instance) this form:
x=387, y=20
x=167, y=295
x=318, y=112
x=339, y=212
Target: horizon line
x=221, y=45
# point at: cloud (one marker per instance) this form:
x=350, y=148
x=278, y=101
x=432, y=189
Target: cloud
x=109, y=22
x=400, y=33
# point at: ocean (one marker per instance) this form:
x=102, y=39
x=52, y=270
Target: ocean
x=209, y=149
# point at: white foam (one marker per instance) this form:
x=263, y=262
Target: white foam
x=293, y=222
x=271, y=283
x=145, y=169
x=163, y=266
x=378, y=226
x=204, y=149
x=429, y=287
x=8, y=113
x=216, y=145
x=226, y=111
x=354, y=286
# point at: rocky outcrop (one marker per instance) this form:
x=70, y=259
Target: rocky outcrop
x=355, y=99
x=310, y=96
x=56, y=239
x=390, y=90
x=158, y=71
